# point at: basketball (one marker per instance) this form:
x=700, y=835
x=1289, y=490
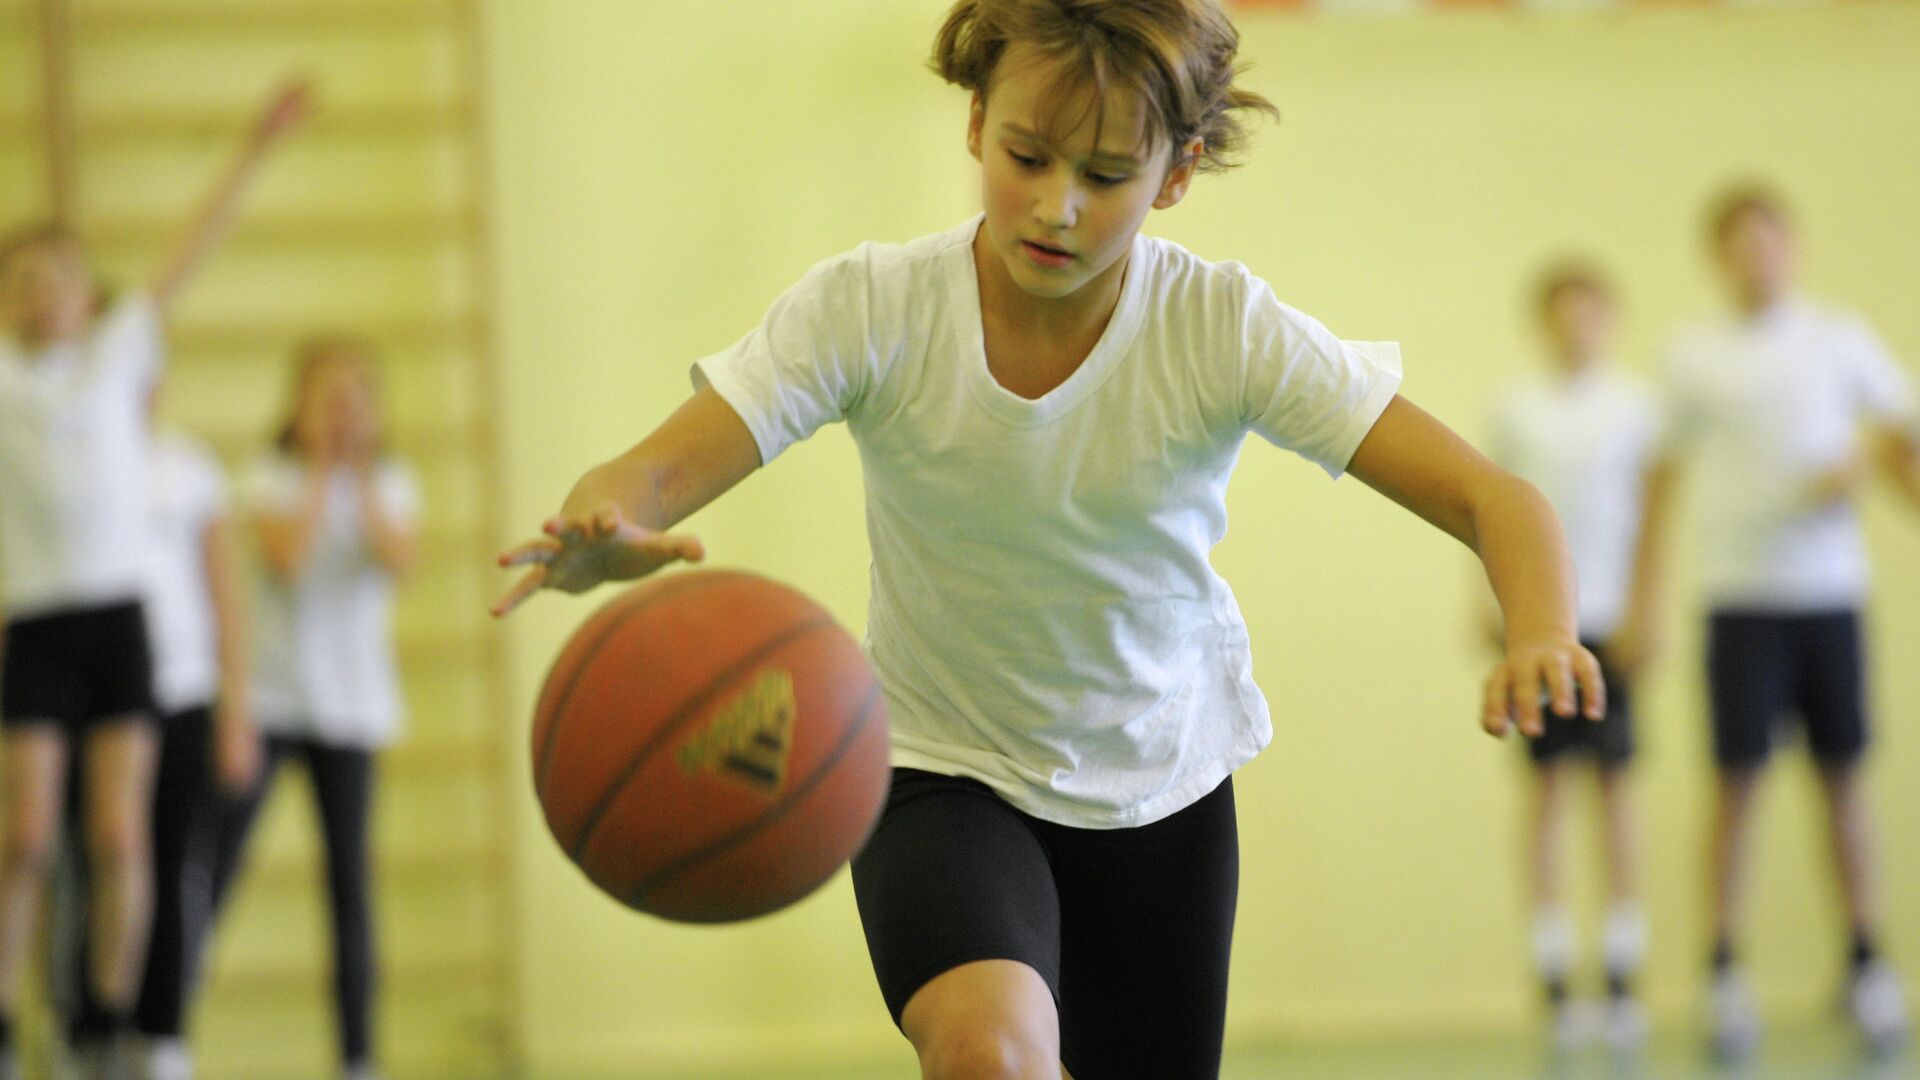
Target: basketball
x=710, y=746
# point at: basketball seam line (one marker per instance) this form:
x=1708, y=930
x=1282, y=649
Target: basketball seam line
x=545, y=764
x=660, y=878
x=686, y=712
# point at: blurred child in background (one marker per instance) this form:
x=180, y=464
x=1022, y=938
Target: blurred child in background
x=1769, y=403
x=76, y=369
x=208, y=746
x=1585, y=434
x=333, y=514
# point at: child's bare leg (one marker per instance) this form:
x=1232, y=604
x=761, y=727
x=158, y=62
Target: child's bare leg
x=987, y=1020
x=1543, y=837
x=1620, y=836
x=1733, y=801
x=1851, y=837
x=34, y=760
x=118, y=815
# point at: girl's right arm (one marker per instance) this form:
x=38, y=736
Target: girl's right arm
x=613, y=524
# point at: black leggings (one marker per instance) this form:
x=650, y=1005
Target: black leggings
x=343, y=789
x=1130, y=928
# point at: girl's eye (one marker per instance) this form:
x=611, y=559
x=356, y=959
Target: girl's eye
x=1023, y=159
x=1106, y=179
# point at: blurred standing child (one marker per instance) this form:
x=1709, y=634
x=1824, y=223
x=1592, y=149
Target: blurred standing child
x=75, y=373
x=1782, y=407
x=1585, y=435
x=208, y=746
x=334, y=517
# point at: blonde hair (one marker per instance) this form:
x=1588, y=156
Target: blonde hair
x=1177, y=55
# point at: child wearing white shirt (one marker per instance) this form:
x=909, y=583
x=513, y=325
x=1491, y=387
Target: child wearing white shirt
x=1767, y=405
x=75, y=374
x=334, y=517
x=1585, y=435
x=1048, y=405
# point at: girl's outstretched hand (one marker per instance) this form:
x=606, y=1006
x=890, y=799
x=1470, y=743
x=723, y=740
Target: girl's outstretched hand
x=576, y=553
x=1554, y=673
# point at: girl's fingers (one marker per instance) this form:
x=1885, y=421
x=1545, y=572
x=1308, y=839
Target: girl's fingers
x=1560, y=684
x=1495, y=712
x=533, y=551
x=528, y=584
x=1527, y=694
x=1593, y=685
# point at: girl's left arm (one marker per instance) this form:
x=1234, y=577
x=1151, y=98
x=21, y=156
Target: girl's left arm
x=1418, y=462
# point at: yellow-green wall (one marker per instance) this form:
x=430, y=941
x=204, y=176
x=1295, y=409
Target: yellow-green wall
x=664, y=169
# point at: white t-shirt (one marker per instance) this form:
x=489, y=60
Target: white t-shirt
x=73, y=464
x=1764, y=406
x=325, y=667
x=1044, y=618
x=188, y=495
x=1586, y=442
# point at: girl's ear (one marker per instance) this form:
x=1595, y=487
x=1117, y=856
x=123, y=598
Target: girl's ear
x=1174, y=187
x=976, y=122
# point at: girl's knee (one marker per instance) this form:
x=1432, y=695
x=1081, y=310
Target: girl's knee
x=28, y=851
x=985, y=1053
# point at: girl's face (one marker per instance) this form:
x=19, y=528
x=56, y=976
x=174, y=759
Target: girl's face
x=46, y=294
x=1579, y=323
x=337, y=414
x=1063, y=212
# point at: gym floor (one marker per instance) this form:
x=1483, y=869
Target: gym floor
x=1828, y=1052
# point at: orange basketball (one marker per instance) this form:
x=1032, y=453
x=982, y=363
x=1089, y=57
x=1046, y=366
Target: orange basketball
x=710, y=746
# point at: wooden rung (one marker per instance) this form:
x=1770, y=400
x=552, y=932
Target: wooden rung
x=143, y=126
x=438, y=757
x=278, y=337
x=261, y=983
x=397, y=870
x=202, y=17
x=424, y=228
x=453, y=438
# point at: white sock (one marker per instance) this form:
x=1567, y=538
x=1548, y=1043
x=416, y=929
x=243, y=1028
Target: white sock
x=1553, y=943
x=1623, y=940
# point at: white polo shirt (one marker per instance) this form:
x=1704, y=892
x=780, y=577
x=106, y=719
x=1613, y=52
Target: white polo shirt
x=188, y=495
x=1585, y=441
x=1764, y=405
x=73, y=464
x=1044, y=617
x=324, y=666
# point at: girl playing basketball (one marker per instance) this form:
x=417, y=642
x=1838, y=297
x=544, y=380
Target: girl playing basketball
x=74, y=378
x=1048, y=406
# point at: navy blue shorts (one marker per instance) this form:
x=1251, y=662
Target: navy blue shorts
x=1130, y=928
x=1765, y=668
x=77, y=668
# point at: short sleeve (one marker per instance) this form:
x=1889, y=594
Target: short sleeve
x=209, y=486
x=1304, y=389
x=270, y=485
x=1676, y=403
x=807, y=364
x=399, y=489
x=128, y=339
x=1885, y=391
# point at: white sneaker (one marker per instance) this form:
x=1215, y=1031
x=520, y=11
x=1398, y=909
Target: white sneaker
x=169, y=1059
x=362, y=1072
x=1626, y=1028
x=1736, y=1020
x=1878, y=1007
x=1575, y=1024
